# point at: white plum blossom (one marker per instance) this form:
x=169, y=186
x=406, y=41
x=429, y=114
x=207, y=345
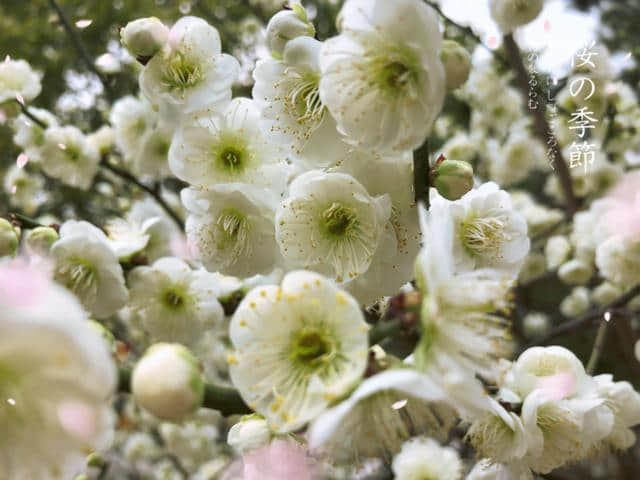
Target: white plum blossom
x=618, y=259
x=174, y=302
x=190, y=72
x=229, y=148
x=624, y=402
x=385, y=411
x=18, y=81
x=231, y=228
x=382, y=78
x=511, y=14
x=425, y=458
x=29, y=135
x=330, y=223
x=86, y=264
x=132, y=119
x=287, y=91
x=25, y=190
x=68, y=156
x=146, y=218
x=297, y=347
x=56, y=378
x=487, y=469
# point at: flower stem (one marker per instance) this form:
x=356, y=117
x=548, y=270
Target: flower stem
x=598, y=346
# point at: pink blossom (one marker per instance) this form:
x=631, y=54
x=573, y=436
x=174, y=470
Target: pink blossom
x=621, y=207
x=557, y=387
x=21, y=285
x=281, y=460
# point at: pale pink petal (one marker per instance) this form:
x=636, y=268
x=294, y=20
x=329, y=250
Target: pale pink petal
x=22, y=160
x=557, y=387
x=78, y=419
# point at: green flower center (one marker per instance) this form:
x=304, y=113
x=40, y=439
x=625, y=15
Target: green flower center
x=174, y=299
x=79, y=276
x=483, y=237
x=394, y=71
x=338, y=220
x=231, y=158
x=231, y=155
x=310, y=346
x=181, y=73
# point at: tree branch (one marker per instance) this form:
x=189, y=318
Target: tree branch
x=31, y=116
x=542, y=128
x=587, y=318
x=598, y=346
x=129, y=177
x=80, y=46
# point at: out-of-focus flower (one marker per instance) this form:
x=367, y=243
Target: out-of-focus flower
x=330, y=223
x=86, y=264
x=18, y=81
x=280, y=460
x=167, y=381
x=457, y=63
x=378, y=81
x=40, y=240
x=190, y=72
x=56, y=378
x=425, y=458
x=68, y=156
x=487, y=469
x=132, y=119
x=175, y=303
x=250, y=433
x=144, y=37
x=29, y=135
x=511, y=14
x=298, y=347
x=25, y=190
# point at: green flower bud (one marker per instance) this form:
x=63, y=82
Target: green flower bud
x=453, y=178
x=144, y=37
x=167, y=382
x=250, y=433
x=40, y=239
x=457, y=63
x=287, y=25
x=8, y=239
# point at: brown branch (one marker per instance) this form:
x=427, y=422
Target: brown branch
x=587, y=318
x=129, y=177
x=542, y=128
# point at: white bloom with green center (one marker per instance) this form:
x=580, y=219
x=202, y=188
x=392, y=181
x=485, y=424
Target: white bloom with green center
x=461, y=333
x=152, y=160
x=228, y=148
x=126, y=238
x=382, y=78
x=190, y=72
x=516, y=159
x=288, y=93
x=175, y=303
x=56, y=380
x=298, y=348
x=511, y=14
x=331, y=224
x=618, y=259
x=231, y=228
x=18, y=79
x=424, y=458
x=385, y=411
x=86, y=264
x=132, y=119
x=25, y=190
x=489, y=232
x=68, y=156
x=392, y=264
x=29, y=135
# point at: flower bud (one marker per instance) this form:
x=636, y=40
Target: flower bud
x=453, y=178
x=144, y=37
x=576, y=303
x=40, y=239
x=457, y=63
x=557, y=251
x=250, y=433
x=287, y=25
x=536, y=324
x=8, y=239
x=167, y=382
x=575, y=272
x=606, y=293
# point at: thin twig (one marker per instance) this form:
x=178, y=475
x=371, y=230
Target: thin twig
x=469, y=31
x=25, y=110
x=598, y=346
x=129, y=177
x=23, y=221
x=588, y=317
x=80, y=46
x=542, y=128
